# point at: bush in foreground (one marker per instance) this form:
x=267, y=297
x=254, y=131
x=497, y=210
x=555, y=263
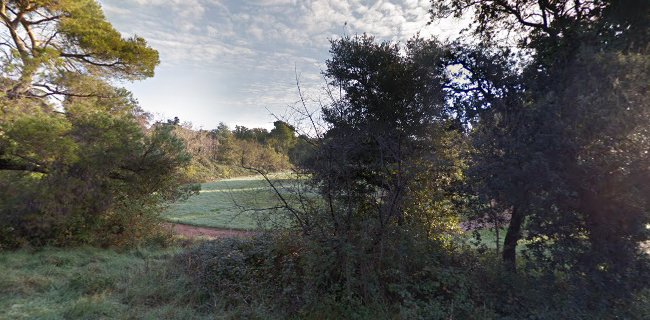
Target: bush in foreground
x=287, y=277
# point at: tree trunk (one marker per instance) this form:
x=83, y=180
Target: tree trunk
x=512, y=236
x=14, y=166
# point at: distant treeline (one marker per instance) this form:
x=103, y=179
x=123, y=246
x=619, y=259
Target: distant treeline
x=224, y=152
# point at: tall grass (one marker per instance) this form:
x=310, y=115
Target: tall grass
x=91, y=283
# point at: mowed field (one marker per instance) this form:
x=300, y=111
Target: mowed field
x=240, y=203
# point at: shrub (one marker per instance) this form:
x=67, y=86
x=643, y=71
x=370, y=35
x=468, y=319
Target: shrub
x=261, y=274
x=284, y=276
x=110, y=194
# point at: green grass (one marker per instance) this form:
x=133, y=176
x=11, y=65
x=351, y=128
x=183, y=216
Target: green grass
x=488, y=237
x=91, y=283
x=237, y=203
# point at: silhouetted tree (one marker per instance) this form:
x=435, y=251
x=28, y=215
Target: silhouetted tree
x=560, y=134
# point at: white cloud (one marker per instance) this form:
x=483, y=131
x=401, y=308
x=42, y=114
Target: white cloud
x=263, y=40
x=269, y=25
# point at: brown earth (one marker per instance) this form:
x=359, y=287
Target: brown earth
x=206, y=233
x=194, y=232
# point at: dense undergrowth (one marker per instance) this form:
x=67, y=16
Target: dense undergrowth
x=281, y=278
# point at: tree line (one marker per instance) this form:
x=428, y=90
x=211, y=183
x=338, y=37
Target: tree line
x=224, y=152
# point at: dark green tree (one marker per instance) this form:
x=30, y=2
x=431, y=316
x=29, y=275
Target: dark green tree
x=282, y=137
x=560, y=135
x=60, y=49
x=384, y=165
x=380, y=122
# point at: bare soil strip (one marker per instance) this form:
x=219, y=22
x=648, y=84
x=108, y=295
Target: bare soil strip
x=195, y=232
x=207, y=233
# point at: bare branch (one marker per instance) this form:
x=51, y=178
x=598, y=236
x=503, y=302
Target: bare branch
x=279, y=195
x=30, y=34
x=518, y=14
x=9, y=165
x=48, y=19
x=56, y=91
x=85, y=58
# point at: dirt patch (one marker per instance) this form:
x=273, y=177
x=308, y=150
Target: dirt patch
x=206, y=233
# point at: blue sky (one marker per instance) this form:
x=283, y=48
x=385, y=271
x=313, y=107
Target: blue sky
x=235, y=61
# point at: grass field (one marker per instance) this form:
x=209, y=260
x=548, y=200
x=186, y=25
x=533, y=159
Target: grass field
x=488, y=237
x=92, y=283
x=237, y=203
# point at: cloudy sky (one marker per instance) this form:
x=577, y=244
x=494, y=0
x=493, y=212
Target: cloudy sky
x=235, y=61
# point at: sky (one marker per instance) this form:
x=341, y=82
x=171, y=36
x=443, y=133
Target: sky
x=236, y=61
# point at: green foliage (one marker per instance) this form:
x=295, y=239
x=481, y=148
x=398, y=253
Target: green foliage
x=561, y=135
x=258, y=273
x=224, y=153
x=433, y=200
x=285, y=276
x=65, y=39
x=382, y=131
x=382, y=176
x=559, y=152
x=275, y=278
x=291, y=277
x=282, y=137
x=302, y=151
x=259, y=135
x=85, y=170
x=84, y=25
x=595, y=188
x=104, y=180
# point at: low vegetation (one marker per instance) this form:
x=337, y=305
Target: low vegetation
x=92, y=283
x=270, y=278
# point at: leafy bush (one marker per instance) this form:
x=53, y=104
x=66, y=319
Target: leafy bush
x=288, y=276
x=78, y=164
x=109, y=191
x=254, y=276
